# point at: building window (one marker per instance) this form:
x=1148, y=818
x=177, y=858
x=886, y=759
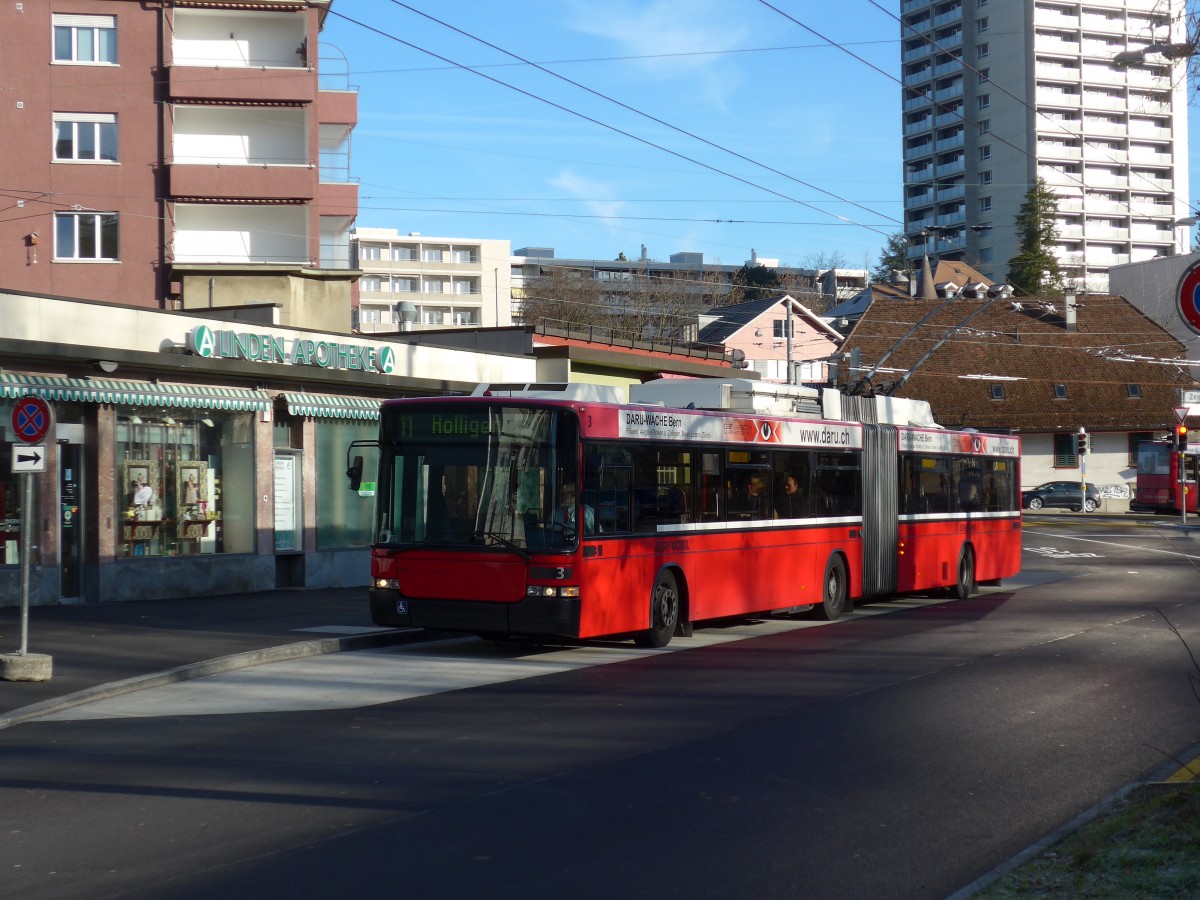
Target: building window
x=986, y=254
x=404, y=254
x=985, y=125
x=985, y=152
x=1060, y=392
x=981, y=24
x=1065, y=456
x=366, y=251
x=985, y=204
x=982, y=50
x=433, y=256
x=983, y=101
x=985, y=177
x=185, y=482
x=779, y=328
x=85, y=137
x=85, y=39
x=983, y=75
x=997, y=392
x=345, y=519
x=1134, y=391
x=371, y=284
x=1136, y=439
x=85, y=236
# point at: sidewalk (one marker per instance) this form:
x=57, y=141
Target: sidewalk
x=97, y=648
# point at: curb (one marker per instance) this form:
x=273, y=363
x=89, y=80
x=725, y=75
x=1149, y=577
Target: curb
x=244, y=660
x=1171, y=772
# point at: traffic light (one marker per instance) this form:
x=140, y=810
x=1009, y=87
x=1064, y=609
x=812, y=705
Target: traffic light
x=1081, y=440
x=1181, y=437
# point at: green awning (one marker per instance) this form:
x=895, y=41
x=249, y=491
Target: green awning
x=132, y=393
x=330, y=406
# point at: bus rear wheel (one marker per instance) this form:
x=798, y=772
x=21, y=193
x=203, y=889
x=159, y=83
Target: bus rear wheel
x=965, y=585
x=834, y=592
x=664, y=613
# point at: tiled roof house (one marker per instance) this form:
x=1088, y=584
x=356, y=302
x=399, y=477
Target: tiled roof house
x=1041, y=369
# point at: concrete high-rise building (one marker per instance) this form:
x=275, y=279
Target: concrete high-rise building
x=999, y=92
x=178, y=155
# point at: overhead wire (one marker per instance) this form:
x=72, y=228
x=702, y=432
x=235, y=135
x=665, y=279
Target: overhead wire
x=595, y=121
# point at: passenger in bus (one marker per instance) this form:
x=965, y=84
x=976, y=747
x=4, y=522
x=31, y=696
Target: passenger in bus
x=968, y=496
x=792, y=504
x=750, y=502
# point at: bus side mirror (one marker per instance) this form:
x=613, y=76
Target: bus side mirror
x=355, y=473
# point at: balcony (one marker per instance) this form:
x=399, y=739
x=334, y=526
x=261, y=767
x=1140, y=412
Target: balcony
x=337, y=198
x=275, y=85
x=1103, y=24
x=917, y=127
x=951, y=92
x=920, y=150
x=949, y=143
x=240, y=55
x=951, y=192
x=950, y=168
x=242, y=182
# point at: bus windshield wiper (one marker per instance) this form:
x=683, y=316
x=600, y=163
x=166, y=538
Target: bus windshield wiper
x=506, y=542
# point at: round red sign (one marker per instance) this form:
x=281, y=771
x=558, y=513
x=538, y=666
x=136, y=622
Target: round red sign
x=31, y=419
x=1187, y=297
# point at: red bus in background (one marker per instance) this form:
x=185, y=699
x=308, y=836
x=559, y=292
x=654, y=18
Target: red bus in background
x=523, y=514
x=1158, y=477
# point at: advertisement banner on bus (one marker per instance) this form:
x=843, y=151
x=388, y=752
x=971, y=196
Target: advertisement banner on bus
x=913, y=440
x=673, y=425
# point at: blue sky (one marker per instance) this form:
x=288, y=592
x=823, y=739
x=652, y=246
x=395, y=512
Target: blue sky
x=446, y=151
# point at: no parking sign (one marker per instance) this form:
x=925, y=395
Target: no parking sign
x=32, y=419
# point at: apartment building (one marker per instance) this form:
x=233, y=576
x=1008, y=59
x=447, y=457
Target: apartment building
x=687, y=273
x=177, y=155
x=997, y=93
x=412, y=282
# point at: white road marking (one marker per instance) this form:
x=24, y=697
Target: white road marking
x=1070, y=537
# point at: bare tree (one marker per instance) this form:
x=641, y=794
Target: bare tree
x=567, y=297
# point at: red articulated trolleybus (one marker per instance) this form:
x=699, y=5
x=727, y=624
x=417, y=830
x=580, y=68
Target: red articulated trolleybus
x=545, y=510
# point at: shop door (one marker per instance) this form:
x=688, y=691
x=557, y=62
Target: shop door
x=70, y=521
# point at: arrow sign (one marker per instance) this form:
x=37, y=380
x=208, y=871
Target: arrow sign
x=31, y=458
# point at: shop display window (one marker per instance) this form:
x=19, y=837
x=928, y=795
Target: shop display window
x=343, y=516
x=185, y=482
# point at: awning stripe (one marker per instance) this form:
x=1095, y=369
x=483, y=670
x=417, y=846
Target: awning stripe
x=132, y=393
x=330, y=406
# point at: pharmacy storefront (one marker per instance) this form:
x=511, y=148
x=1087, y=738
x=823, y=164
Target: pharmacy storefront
x=193, y=457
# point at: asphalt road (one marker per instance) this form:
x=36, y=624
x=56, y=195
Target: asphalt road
x=895, y=755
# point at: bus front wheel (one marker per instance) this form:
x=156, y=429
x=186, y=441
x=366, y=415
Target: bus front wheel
x=834, y=592
x=664, y=613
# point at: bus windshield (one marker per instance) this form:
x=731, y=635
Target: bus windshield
x=478, y=475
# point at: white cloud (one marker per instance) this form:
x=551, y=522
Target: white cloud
x=590, y=192
x=673, y=34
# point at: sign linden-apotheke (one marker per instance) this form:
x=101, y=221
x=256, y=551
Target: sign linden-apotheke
x=212, y=343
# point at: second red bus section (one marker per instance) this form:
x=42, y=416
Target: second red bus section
x=517, y=513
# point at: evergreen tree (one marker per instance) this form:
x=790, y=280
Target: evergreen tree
x=893, y=257
x=754, y=282
x=1035, y=269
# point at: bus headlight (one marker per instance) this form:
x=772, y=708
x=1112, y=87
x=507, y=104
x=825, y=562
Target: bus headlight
x=549, y=590
x=387, y=584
